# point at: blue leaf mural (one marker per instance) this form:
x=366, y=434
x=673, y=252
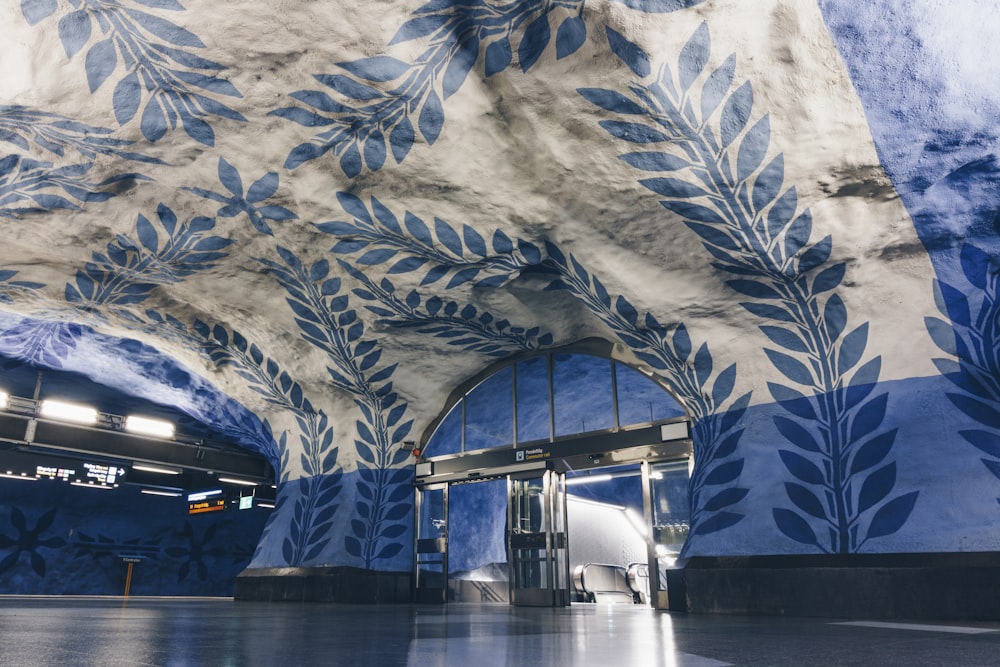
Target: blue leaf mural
x=381, y=104
x=314, y=507
x=29, y=186
x=26, y=128
x=465, y=327
x=723, y=181
x=28, y=541
x=714, y=490
x=164, y=81
x=326, y=321
x=969, y=334
x=131, y=267
x=42, y=342
x=410, y=247
x=11, y=289
x=235, y=201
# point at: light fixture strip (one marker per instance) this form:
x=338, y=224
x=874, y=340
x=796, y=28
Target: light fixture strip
x=233, y=480
x=92, y=486
x=154, y=492
x=68, y=412
x=13, y=476
x=157, y=428
x=158, y=469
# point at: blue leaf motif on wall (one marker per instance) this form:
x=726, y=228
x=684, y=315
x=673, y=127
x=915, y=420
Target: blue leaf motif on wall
x=461, y=326
x=464, y=256
x=131, y=268
x=714, y=490
x=968, y=334
x=29, y=541
x=381, y=104
x=28, y=186
x=325, y=320
x=235, y=201
x=165, y=81
x=10, y=288
x=314, y=506
x=720, y=178
x=41, y=342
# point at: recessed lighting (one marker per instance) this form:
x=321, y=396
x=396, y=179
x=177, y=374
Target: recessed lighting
x=163, y=470
x=10, y=475
x=588, y=479
x=233, y=480
x=144, y=425
x=68, y=411
x=154, y=492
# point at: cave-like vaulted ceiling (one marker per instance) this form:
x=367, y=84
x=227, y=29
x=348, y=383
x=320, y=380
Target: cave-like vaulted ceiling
x=305, y=223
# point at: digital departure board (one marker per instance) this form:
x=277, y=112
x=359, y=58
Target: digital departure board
x=201, y=502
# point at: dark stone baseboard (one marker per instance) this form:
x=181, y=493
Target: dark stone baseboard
x=940, y=586
x=323, y=584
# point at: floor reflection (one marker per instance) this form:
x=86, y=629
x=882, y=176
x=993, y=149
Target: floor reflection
x=70, y=631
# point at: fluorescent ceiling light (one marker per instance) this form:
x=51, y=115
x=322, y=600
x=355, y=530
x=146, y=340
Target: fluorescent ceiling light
x=268, y=505
x=203, y=495
x=233, y=480
x=587, y=479
x=4, y=400
x=146, y=426
x=68, y=412
x=91, y=485
x=154, y=492
x=160, y=469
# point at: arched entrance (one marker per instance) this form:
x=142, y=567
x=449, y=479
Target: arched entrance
x=540, y=449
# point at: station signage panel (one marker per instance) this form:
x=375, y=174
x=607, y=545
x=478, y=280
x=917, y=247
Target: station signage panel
x=203, y=502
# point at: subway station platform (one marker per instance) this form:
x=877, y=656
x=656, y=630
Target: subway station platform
x=71, y=631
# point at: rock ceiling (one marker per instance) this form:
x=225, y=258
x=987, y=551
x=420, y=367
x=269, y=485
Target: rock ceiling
x=310, y=221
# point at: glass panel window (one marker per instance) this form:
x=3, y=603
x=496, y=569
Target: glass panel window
x=489, y=412
x=640, y=400
x=583, y=400
x=447, y=439
x=533, y=399
x=478, y=517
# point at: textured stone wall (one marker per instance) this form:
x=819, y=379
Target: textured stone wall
x=317, y=219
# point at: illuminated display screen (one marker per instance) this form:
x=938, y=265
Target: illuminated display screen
x=67, y=470
x=102, y=473
x=201, y=502
x=53, y=472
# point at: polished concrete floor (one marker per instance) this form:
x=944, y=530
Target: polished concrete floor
x=72, y=632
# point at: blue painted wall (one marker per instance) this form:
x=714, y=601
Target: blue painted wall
x=819, y=452
x=56, y=539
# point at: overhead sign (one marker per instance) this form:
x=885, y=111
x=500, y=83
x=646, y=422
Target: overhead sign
x=202, y=502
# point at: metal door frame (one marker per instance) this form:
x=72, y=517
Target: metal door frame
x=439, y=545
x=553, y=535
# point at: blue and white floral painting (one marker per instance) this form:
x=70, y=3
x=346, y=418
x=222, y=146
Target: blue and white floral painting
x=305, y=227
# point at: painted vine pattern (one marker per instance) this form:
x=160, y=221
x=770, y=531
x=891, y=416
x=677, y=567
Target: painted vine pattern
x=714, y=170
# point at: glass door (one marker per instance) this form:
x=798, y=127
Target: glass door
x=430, y=574
x=536, y=536
x=668, y=507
